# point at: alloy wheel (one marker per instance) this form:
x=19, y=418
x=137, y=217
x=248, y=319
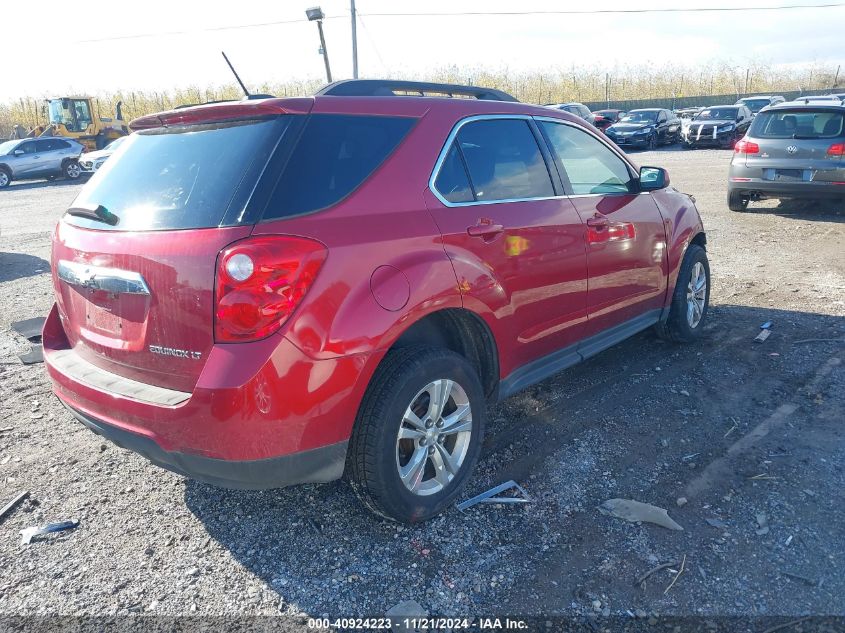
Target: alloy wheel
x=73, y=170
x=434, y=437
x=696, y=294
x=4, y=179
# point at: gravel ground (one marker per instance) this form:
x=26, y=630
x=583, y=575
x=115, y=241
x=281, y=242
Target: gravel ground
x=749, y=434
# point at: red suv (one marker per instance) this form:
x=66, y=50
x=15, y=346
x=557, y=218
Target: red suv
x=268, y=292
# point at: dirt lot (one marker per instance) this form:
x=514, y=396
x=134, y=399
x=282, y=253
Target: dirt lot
x=750, y=434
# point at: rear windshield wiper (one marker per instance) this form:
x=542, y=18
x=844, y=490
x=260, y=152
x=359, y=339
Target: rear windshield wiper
x=98, y=213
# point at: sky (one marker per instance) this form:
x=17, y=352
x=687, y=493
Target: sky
x=76, y=52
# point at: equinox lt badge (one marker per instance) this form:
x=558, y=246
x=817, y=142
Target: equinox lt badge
x=178, y=353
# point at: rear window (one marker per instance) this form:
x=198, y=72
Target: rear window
x=798, y=124
x=181, y=177
x=755, y=105
x=334, y=155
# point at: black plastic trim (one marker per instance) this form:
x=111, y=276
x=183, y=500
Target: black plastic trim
x=319, y=465
x=388, y=88
x=540, y=369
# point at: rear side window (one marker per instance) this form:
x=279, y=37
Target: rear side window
x=798, y=124
x=452, y=181
x=590, y=166
x=334, y=155
x=181, y=177
x=504, y=160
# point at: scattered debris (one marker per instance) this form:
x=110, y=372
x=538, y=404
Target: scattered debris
x=787, y=624
x=29, y=533
x=763, y=476
x=33, y=356
x=678, y=575
x=819, y=340
x=731, y=430
x=763, y=524
x=686, y=458
x=29, y=328
x=717, y=523
x=9, y=506
x=803, y=579
x=762, y=336
x=490, y=496
x=681, y=501
x=684, y=392
x=6, y=428
x=654, y=570
x=407, y=609
x=766, y=326
x=635, y=511
x=788, y=541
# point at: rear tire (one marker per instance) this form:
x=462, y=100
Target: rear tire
x=401, y=401
x=736, y=201
x=5, y=178
x=690, y=299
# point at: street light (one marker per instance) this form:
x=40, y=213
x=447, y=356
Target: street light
x=315, y=14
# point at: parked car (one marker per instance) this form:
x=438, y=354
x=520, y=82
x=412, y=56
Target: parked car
x=757, y=103
x=718, y=126
x=603, y=119
x=578, y=109
x=31, y=158
x=92, y=161
x=277, y=291
x=792, y=150
x=646, y=128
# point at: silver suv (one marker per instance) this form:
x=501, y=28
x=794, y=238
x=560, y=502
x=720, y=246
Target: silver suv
x=39, y=158
x=791, y=150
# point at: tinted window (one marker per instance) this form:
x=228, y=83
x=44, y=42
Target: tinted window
x=640, y=116
x=28, y=147
x=181, y=177
x=60, y=144
x=334, y=155
x=452, y=182
x=798, y=124
x=590, y=166
x=716, y=114
x=504, y=161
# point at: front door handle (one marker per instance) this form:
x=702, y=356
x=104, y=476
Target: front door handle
x=486, y=230
x=598, y=222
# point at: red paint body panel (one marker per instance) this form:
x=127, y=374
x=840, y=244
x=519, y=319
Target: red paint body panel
x=395, y=254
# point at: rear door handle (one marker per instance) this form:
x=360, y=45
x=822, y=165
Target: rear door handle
x=485, y=230
x=598, y=222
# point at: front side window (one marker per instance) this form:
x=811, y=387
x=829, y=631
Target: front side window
x=504, y=161
x=27, y=148
x=590, y=166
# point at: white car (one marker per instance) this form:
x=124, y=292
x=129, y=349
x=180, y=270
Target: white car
x=92, y=161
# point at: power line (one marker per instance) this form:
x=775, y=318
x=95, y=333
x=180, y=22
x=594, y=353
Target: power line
x=782, y=7
x=827, y=5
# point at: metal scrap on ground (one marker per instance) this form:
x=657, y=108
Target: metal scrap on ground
x=29, y=533
x=636, y=511
x=490, y=496
x=9, y=506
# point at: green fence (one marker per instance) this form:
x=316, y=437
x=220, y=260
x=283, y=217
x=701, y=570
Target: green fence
x=675, y=103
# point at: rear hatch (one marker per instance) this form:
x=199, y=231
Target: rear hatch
x=134, y=256
x=802, y=144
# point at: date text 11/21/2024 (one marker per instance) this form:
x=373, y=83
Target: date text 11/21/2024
x=419, y=623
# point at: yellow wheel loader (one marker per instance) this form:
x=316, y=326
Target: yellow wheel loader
x=74, y=117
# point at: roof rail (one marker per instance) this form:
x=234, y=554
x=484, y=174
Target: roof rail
x=395, y=88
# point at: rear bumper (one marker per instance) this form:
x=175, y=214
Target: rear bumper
x=758, y=188
x=318, y=465
x=262, y=415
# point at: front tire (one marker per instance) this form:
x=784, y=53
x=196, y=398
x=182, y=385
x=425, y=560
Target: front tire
x=71, y=170
x=652, y=142
x=690, y=299
x=418, y=433
x=736, y=201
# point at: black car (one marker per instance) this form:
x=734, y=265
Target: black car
x=718, y=126
x=646, y=128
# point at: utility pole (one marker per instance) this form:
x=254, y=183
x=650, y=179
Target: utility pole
x=315, y=14
x=836, y=78
x=607, y=89
x=354, y=41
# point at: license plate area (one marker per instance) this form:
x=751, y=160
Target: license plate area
x=102, y=312
x=789, y=175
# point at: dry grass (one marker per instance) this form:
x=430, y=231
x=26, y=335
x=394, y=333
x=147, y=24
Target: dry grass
x=563, y=84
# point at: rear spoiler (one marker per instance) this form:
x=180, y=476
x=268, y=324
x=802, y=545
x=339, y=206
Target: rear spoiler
x=224, y=111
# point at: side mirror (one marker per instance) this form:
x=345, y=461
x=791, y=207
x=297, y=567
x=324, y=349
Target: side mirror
x=19, y=152
x=653, y=178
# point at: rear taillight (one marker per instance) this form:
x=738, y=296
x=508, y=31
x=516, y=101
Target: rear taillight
x=260, y=281
x=837, y=149
x=746, y=147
